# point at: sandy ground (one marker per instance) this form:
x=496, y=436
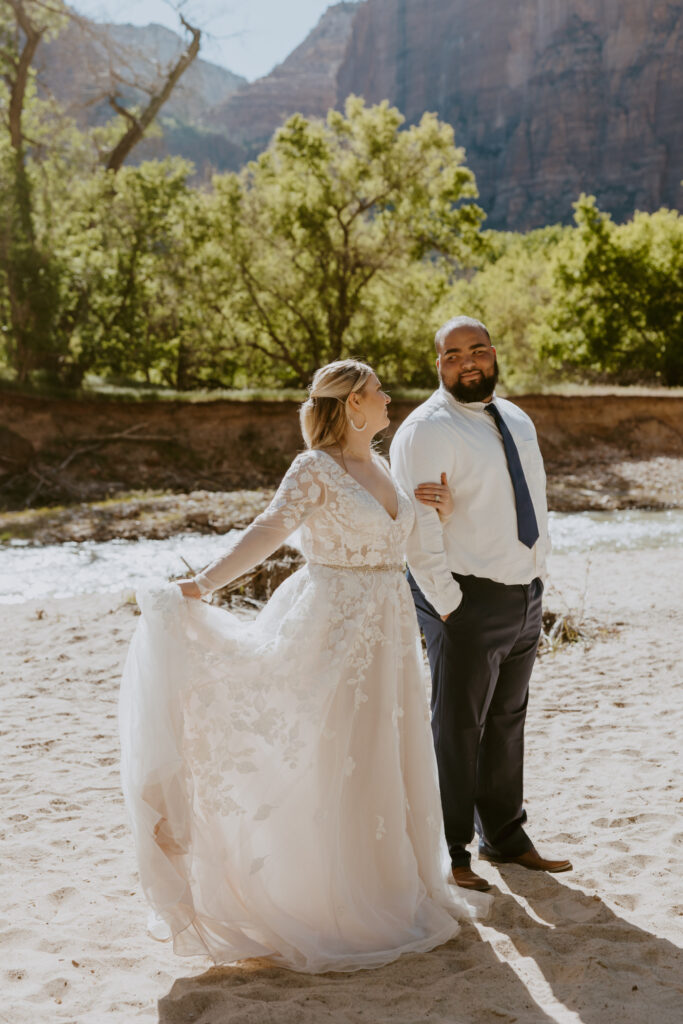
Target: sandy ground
x=599, y=945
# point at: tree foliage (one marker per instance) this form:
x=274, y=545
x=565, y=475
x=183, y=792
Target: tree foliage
x=618, y=296
x=511, y=293
x=58, y=227
x=332, y=225
x=354, y=235
x=596, y=301
x=26, y=268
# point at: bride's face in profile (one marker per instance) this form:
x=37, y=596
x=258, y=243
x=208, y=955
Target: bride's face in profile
x=370, y=406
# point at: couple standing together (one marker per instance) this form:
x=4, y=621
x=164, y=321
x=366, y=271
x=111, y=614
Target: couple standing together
x=280, y=774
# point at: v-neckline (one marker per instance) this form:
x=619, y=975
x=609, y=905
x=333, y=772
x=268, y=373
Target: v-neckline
x=363, y=488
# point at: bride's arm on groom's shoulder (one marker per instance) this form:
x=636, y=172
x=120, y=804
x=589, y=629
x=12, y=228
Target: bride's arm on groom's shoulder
x=437, y=496
x=300, y=493
x=419, y=454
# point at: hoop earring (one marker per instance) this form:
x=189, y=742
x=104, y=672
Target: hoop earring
x=359, y=430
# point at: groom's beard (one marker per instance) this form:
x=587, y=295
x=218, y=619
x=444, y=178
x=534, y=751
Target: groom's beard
x=476, y=390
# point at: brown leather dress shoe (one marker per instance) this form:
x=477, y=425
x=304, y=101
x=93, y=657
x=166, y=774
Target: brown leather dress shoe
x=530, y=859
x=466, y=879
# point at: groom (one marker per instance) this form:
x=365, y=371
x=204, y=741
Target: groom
x=477, y=583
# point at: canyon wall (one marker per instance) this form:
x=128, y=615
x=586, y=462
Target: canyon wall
x=306, y=82
x=549, y=97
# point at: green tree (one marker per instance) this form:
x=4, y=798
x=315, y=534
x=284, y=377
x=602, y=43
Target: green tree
x=325, y=233
x=512, y=294
x=618, y=296
x=26, y=269
x=63, y=253
x=126, y=290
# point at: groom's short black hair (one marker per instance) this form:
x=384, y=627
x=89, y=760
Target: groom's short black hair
x=454, y=323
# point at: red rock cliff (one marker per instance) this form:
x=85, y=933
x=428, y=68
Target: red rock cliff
x=305, y=82
x=549, y=97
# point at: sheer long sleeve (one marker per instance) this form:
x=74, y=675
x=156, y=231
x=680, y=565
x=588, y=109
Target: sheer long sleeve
x=301, y=492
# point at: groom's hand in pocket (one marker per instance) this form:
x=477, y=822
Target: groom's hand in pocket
x=446, y=617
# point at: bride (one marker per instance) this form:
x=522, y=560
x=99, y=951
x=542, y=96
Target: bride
x=279, y=773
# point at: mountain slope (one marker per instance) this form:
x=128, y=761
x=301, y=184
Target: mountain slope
x=79, y=66
x=306, y=82
x=549, y=98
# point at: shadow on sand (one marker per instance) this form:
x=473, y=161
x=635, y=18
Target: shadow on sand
x=601, y=968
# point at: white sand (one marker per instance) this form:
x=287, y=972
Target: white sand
x=599, y=945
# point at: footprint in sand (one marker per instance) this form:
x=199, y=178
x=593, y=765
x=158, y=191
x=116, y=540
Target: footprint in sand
x=624, y=865
x=67, y=892
x=54, y=989
x=627, y=901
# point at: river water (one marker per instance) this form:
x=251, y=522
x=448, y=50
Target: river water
x=30, y=571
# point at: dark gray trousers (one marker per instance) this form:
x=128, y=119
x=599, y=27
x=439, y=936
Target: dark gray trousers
x=481, y=660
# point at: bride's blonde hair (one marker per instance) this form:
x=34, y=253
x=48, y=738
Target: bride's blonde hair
x=324, y=416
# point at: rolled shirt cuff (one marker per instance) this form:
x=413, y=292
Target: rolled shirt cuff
x=446, y=600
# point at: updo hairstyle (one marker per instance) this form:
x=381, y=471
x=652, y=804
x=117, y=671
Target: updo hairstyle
x=324, y=416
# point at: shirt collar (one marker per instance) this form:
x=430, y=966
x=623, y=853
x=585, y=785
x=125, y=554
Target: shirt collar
x=462, y=406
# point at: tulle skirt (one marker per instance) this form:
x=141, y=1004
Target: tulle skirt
x=280, y=776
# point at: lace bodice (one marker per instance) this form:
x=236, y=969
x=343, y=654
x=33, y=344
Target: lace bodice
x=340, y=523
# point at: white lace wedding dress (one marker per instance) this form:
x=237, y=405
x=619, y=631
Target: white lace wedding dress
x=279, y=773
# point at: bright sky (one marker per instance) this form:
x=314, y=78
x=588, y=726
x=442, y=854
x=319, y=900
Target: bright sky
x=247, y=36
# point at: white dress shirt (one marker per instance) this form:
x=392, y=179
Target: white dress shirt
x=480, y=539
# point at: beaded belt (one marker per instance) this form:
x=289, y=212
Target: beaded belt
x=362, y=568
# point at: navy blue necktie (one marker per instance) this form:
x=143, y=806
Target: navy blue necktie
x=527, y=527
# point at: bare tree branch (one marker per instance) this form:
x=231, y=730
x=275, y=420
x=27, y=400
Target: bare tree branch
x=32, y=37
x=123, y=111
x=139, y=125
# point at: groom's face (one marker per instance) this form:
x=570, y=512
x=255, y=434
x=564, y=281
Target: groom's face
x=467, y=364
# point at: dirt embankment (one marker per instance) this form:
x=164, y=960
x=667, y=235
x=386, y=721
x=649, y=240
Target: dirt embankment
x=601, y=452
